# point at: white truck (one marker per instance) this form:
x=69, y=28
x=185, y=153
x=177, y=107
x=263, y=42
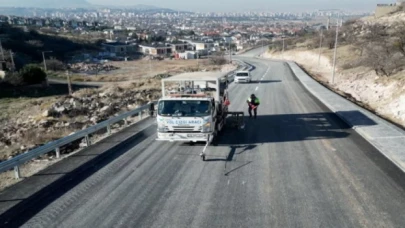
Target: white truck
x=194, y=108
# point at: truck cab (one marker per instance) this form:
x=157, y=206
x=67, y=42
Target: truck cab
x=185, y=119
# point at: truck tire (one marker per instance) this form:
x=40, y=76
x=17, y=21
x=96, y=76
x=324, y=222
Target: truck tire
x=216, y=135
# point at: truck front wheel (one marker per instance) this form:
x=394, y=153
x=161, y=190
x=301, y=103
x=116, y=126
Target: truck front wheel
x=215, y=136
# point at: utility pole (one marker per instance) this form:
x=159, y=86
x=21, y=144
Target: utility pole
x=334, y=54
x=69, y=82
x=150, y=64
x=320, y=47
x=283, y=45
x=45, y=69
x=12, y=60
x=262, y=47
x=43, y=57
x=2, y=52
x=3, y=60
x=198, y=60
x=230, y=56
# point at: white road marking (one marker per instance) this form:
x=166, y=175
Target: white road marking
x=267, y=71
x=257, y=87
x=262, y=78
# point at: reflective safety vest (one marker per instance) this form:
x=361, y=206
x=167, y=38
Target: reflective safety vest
x=255, y=102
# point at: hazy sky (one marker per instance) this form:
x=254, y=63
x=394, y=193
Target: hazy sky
x=253, y=5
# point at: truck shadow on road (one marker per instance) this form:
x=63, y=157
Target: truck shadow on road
x=283, y=128
x=289, y=128
x=264, y=81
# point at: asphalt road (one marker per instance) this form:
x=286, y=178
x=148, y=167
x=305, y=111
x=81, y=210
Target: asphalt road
x=296, y=165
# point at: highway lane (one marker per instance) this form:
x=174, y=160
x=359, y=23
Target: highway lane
x=297, y=165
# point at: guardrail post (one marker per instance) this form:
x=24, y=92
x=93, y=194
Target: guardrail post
x=109, y=129
x=87, y=140
x=140, y=115
x=57, y=150
x=151, y=109
x=17, y=173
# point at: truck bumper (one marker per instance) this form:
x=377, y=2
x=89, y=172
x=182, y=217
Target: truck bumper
x=246, y=80
x=185, y=137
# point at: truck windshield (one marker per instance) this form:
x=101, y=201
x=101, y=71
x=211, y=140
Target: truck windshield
x=242, y=74
x=184, y=108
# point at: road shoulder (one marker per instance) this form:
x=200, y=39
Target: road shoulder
x=384, y=136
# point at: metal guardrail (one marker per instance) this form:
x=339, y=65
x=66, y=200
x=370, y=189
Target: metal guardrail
x=55, y=145
x=18, y=160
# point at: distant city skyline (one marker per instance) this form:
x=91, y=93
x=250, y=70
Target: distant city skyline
x=251, y=5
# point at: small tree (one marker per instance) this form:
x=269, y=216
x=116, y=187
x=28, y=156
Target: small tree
x=218, y=59
x=32, y=74
x=55, y=65
x=14, y=79
x=383, y=58
x=399, y=37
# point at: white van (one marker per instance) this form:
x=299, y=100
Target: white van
x=242, y=76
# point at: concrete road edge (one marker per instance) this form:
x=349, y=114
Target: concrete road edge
x=384, y=136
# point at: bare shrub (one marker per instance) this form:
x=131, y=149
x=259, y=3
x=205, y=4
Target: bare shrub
x=14, y=78
x=218, y=59
x=35, y=43
x=383, y=50
x=352, y=64
x=328, y=39
x=350, y=22
x=383, y=59
x=55, y=65
x=399, y=37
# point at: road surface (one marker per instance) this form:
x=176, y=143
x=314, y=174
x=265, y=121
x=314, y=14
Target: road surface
x=296, y=165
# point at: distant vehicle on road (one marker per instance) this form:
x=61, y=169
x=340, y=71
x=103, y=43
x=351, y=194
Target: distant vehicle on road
x=242, y=76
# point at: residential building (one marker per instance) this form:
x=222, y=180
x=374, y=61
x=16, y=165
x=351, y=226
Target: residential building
x=155, y=49
x=57, y=23
x=180, y=47
x=385, y=9
x=200, y=45
x=120, y=48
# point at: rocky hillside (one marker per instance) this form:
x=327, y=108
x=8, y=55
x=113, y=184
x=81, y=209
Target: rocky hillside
x=47, y=120
x=370, y=66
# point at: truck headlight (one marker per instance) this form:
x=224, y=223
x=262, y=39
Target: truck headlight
x=162, y=127
x=206, y=127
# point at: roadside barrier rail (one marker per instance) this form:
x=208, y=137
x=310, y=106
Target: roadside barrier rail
x=85, y=133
